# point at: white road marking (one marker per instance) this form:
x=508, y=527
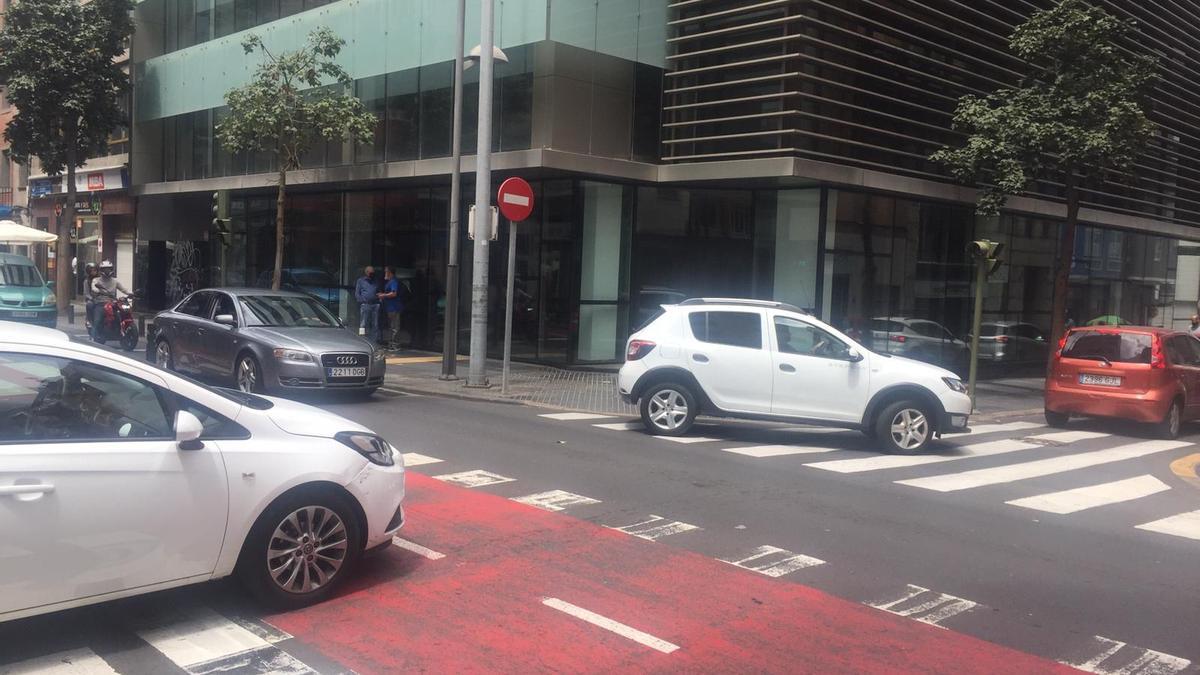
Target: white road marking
x=206, y=642
x=82, y=661
x=761, y=451
x=262, y=629
x=417, y=459
x=1041, y=467
x=997, y=428
x=417, y=548
x=474, y=478
x=875, y=463
x=1068, y=436
x=575, y=416
x=775, y=562
x=608, y=624
x=1181, y=525
x=688, y=439
x=620, y=426
x=555, y=500
x=1144, y=661
x=1079, y=499
x=921, y=604
x=656, y=528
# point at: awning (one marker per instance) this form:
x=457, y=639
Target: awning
x=12, y=233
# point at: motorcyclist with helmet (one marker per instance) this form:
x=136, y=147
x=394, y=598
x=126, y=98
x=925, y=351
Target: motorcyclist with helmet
x=104, y=290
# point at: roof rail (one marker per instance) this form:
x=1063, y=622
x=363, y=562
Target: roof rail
x=769, y=304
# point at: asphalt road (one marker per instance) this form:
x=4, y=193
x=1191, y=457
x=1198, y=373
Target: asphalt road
x=1068, y=577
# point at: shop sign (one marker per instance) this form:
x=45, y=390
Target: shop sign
x=40, y=188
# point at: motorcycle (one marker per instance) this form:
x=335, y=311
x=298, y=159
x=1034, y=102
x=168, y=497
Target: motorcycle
x=118, y=324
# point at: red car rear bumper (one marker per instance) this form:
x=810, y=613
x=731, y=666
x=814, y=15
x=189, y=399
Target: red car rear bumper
x=1149, y=406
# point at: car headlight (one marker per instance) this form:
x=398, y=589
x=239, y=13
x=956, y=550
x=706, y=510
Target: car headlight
x=955, y=384
x=374, y=448
x=379, y=355
x=293, y=355
x=49, y=299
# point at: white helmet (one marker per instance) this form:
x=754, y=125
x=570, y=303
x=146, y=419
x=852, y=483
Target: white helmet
x=106, y=267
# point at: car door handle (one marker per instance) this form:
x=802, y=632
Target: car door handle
x=787, y=367
x=33, y=491
x=699, y=358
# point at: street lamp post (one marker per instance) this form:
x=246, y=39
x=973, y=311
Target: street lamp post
x=477, y=368
x=450, y=328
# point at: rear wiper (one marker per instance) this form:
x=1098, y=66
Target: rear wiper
x=1095, y=357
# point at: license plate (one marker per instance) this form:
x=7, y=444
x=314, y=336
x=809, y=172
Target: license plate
x=347, y=372
x=1102, y=380
x=24, y=315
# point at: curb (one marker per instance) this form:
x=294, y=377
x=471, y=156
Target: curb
x=1186, y=468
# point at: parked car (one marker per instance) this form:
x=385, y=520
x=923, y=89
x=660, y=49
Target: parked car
x=118, y=478
x=919, y=339
x=767, y=360
x=265, y=341
x=1149, y=375
x=24, y=296
x=1012, y=342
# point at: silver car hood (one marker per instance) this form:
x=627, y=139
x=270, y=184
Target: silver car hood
x=314, y=340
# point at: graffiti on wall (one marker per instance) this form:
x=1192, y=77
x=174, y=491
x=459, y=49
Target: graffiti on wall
x=183, y=276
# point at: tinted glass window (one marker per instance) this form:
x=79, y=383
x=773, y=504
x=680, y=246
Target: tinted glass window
x=1030, y=332
x=737, y=329
x=44, y=398
x=1178, y=351
x=991, y=330
x=196, y=304
x=885, y=326
x=1115, y=347
x=286, y=310
x=215, y=426
x=224, y=305
x=927, y=328
x=797, y=337
x=16, y=274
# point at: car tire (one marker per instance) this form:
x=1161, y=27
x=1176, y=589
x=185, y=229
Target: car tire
x=1057, y=420
x=300, y=549
x=905, y=427
x=247, y=374
x=668, y=409
x=164, y=356
x=1171, y=423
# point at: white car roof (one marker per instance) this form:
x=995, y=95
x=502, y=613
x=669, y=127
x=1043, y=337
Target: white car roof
x=23, y=333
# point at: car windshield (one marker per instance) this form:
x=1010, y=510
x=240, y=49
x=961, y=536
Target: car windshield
x=17, y=274
x=1108, y=346
x=287, y=311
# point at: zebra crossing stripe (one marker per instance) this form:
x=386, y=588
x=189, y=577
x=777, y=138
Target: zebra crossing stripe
x=921, y=604
x=979, y=429
x=688, y=439
x=761, y=451
x=1080, y=499
x=1042, y=467
x=555, y=500
x=82, y=661
x=1144, y=661
x=574, y=416
x=474, y=478
x=876, y=463
x=204, y=642
x=656, y=528
x=775, y=562
x=620, y=426
x=1068, y=436
x=1182, y=525
x=417, y=459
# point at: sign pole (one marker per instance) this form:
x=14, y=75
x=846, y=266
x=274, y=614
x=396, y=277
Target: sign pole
x=508, y=315
x=981, y=268
x=450, y=318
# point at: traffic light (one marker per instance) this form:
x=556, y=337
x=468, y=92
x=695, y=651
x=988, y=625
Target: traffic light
x=220, y=212
x=988, y=252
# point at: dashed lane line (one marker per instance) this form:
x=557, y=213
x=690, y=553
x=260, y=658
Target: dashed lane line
x=417, y=459
x=1092, y=496
x=555, y=500
x=879, y=462
x=1185, y=525
x=417, y=548
x=611, y=625
x=574, y=416
x=921, y=604
x=656, y=528
x=474, y=478
x=82, y=661
x=774, y=562
x=1119, y=658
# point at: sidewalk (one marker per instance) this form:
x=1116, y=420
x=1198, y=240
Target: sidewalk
x=596, y=392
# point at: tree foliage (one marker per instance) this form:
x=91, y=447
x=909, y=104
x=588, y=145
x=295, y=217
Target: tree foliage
x=294, y=100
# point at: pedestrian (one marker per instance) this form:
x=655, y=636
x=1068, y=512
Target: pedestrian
x=366, y=292
x=393, y=305
x=1194, y=329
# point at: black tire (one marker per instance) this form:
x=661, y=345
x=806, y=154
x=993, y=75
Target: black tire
x=254, y=385
x=914, y=430
x=263, y=552
x=680, y=404
x=1171, y=423
x=166, y=360
x=129, y=338
x=1057, y=420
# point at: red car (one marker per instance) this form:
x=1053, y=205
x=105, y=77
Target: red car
x=1149, y=375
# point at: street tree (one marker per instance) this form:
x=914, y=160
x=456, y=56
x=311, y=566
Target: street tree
x=1077, y=118
x=57, y=68
x=294, y=100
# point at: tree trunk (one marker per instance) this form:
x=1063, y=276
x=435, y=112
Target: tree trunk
x=64, y=288
x=1062, y=272
x=277, y=275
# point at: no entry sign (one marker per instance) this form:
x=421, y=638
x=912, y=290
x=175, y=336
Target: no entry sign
x=515, y=199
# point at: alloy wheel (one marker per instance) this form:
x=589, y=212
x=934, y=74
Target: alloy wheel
x=247, y=375
x=668, y=409
x=307, y=549
x=910, y=429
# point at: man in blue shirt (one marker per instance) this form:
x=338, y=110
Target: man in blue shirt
x=366, y=292
x=393, y=305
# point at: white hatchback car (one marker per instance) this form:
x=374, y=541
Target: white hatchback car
x=767, y=360
x=117, y=478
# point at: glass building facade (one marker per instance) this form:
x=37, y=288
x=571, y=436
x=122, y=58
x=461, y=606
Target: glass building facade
x=772, y=150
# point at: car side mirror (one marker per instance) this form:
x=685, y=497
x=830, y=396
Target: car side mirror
x=853, y=355
x=187, y=431
x=226, y=320
x=51, y=285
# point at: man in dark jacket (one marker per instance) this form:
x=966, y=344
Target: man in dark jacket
x=366, y=292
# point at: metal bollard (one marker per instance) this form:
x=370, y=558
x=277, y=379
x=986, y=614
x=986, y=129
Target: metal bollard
x=71, y=315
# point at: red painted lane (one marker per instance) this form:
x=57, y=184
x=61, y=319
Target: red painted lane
x=479, y=608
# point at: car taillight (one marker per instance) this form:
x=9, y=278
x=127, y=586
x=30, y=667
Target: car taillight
x=1156, y=355
x=899, y=338
x=638, y=349
x=1062, y=344
x=1003, y=339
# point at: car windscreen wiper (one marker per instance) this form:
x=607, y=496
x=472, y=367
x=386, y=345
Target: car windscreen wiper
x=1093, y=357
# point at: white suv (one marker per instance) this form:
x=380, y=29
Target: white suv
x=767, y=360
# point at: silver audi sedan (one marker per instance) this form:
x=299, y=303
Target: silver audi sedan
x=265, y=341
